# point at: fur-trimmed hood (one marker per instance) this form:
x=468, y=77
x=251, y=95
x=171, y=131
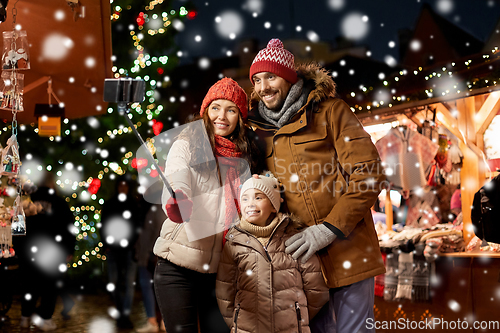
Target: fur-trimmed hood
x=312, y=73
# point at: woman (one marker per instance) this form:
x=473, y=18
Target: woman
x=191, y=238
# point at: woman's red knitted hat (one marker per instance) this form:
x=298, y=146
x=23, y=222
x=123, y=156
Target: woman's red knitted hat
x=226, y=88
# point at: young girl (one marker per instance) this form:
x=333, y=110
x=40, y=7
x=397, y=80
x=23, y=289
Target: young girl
x=205, y=195
x=260, y=288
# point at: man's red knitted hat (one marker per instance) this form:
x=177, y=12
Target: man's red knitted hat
x=274, y=59
x=226, y=88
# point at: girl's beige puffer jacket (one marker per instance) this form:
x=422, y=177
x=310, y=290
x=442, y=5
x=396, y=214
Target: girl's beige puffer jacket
x=262, y=289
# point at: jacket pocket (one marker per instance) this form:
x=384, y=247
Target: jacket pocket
x=318, y=134
x=235, y=319
x=299, y=317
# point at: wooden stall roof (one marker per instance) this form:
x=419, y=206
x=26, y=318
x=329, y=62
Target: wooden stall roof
x=70, y=54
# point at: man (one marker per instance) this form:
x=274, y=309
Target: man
x=332, y=174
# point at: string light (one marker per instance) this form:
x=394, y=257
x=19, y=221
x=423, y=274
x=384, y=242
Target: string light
x=446, y=87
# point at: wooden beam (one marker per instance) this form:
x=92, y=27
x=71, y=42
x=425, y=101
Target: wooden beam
x=419, y=118
x=469, y=185
x=466, y=112
x=445, y=117
x=36, y=83
x=414, y=120
x=389, y=218
x=488, y=111
x=441, y=108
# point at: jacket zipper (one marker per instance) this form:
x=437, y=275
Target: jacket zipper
x=176, y=231
x=236, y=318
x=299, y=317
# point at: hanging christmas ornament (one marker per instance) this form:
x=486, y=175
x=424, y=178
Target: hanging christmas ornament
x=18, y=219
x=15, y=50
x=11, y=95
x=15, y=57
x=11, y=161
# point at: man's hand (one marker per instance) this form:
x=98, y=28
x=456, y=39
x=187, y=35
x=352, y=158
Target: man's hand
x=307, y=242
x=181, y=204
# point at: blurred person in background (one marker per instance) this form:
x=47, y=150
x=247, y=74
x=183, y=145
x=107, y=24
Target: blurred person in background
x=121, y=218
x=146, y=262
x=43, y=255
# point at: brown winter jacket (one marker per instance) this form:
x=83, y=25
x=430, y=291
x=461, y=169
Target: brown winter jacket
x=262, y=289
x=331, y=172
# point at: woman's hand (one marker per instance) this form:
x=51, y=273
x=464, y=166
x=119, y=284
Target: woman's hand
x=179, y=207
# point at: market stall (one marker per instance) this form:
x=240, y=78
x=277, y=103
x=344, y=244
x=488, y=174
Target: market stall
x=438, y=152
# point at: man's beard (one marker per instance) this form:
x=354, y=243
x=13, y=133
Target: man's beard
x=279, y=103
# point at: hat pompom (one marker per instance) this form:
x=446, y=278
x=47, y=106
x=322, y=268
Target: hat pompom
x=275, y=42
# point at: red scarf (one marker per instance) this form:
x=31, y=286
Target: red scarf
x=226, y=153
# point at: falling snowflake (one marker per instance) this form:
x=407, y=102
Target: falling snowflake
x=178, y=25
x=59, y=15
x=355, y=26
x=155, y=24
x=113, y=312
x=93, y=122
x=204, y=63
x=254, y=6
x=336, y=5
x=390, y=60
x=383, y=95
x=452, y=304
x=102, y=325
x=127, y=214
x=49, y=255
x=118, y=229
x=415, y=45
x=445, y=6
x=312, y=36
x=229, y=22
x=56, y=47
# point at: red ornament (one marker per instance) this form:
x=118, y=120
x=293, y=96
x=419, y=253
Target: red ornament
x=95, y=185
x=157, y=126
x=139, y=163
x=140, y=19
x=160, y=71
x=192, y=14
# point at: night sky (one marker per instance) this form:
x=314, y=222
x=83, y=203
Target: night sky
x=365, y=22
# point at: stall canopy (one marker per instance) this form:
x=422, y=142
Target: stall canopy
x=69, y=54
x=463, y=96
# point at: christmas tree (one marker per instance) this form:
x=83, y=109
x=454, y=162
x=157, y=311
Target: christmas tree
x=91, y=152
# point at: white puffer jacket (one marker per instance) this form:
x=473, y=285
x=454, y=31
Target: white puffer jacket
x=196, y=244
